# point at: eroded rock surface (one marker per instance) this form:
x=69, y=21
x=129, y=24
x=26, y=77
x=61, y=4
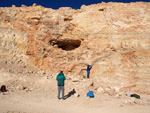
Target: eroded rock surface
x=113, y=37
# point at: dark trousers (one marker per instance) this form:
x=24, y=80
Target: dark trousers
x=60, y=88
x=88, y=74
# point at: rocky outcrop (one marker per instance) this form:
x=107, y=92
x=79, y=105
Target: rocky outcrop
x=113, y=37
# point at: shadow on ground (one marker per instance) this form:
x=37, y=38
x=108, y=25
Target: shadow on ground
x=70, y=94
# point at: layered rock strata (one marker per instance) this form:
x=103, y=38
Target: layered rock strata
x=113, y=37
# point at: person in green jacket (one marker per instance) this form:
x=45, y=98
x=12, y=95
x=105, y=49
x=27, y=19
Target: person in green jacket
x=60, y=82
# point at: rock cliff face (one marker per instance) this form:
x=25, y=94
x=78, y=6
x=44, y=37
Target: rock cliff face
x=113, y=37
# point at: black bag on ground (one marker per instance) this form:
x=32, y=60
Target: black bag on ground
x=136, y=96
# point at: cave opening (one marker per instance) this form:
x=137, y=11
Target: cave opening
x=66, y=44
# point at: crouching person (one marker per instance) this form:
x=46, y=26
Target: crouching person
x=3, y=89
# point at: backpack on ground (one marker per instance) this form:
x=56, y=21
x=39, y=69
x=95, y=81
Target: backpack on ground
x=90, y=94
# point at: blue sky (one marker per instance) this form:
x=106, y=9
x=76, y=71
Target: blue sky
x=55, y=4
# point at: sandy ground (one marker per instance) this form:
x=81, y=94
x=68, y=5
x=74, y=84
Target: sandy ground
x=36, y=102
x=45, y=101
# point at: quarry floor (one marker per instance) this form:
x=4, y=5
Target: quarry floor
x=45, y=101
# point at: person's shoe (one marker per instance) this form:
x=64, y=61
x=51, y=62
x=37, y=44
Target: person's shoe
x=63, y=98
x=58, y=98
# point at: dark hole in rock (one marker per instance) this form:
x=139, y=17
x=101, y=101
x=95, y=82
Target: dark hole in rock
x=69, y=45
x=66, y=44
x=24, y=88
x=67, y=19
x=101, y=9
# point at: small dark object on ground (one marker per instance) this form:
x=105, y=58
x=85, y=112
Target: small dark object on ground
x=3, y=89
x=136, y=96
x=133, y=95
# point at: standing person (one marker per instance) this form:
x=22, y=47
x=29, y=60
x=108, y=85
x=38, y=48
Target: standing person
x=88, y=70
x=60, y=82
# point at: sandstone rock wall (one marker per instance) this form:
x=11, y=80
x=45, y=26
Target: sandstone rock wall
x=113, y=37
